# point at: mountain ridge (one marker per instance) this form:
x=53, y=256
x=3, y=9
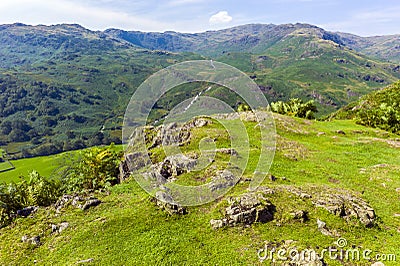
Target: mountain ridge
x=58, y=82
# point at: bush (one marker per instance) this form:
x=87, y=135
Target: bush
x=34, y=191
x=380, y=109
x=295, y=107
x=384, y=117
x=95, y=168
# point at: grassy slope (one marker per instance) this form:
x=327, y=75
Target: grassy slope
x=45, y=165
x=128, y=229
x=388, y=96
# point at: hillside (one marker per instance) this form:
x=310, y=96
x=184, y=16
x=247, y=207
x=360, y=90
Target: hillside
x=312, y=167
x=65, y=87
x=380, y=109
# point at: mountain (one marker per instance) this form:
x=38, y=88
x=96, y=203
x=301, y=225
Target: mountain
x=290, y=60
x=379, y=47
x=257, y=38
x=66, y=87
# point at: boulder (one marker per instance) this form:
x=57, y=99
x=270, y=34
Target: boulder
x=31, y=240
x=300, y=215
x=165, y=201
x=89, y=203
x=76, y=201
x=25, y=212
x=346, y=206
x=59, y=227
x=245, y=210
x=222, y=180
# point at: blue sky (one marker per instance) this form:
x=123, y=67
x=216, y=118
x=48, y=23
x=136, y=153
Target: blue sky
x=364, y=18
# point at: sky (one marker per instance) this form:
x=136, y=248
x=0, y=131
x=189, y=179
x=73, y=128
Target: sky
x=364, y=18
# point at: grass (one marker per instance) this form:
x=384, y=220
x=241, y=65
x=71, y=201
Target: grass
x=128, y=228
x=44, y=165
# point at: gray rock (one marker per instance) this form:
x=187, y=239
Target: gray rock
x=245, y=210
x=229, y=151
x=347, y=206
x=305, y=196
x=25, y=212
x=216, y=224
x=222, y=180
x=59, y=227
x=321, y=224
x=325, y=230
x=75, y=201
x=90, y=203
x=300, y=215
x=85, y=261
x=31, y=240
x=63, y=202
x=164, y=135
x=132, y=162
x=167, y=203
x=339, y=202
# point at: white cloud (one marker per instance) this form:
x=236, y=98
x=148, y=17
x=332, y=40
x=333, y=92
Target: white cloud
x=221, y=17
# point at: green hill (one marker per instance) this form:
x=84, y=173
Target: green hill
x=316, y=163
x=380, y=109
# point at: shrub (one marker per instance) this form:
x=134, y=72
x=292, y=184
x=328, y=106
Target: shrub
x=295, y=107
x=94, y=168
x=34, y=191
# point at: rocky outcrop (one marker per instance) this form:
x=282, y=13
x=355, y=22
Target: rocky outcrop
x=222, y=180
x=338, y=202
x=164, y=201
x=245, y=210
x=164, y=135
x=346, y=206
x=323, y=228
x=76, y=201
